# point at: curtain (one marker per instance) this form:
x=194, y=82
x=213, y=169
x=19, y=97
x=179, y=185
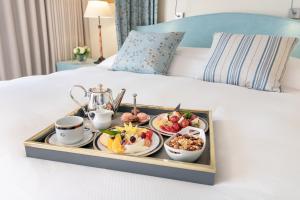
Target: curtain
x=24, y=40
x=132, y=13
x=35, y=34
x=66, y=27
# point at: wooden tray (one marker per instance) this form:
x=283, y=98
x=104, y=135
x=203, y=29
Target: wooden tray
x=159, y=164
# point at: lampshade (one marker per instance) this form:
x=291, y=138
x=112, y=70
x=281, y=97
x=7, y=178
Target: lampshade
x=97, y=9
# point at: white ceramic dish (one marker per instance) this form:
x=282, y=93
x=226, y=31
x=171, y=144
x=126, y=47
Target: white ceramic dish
x=157, y=143
x=88, y=137
x=184, y=155
x=203, y=125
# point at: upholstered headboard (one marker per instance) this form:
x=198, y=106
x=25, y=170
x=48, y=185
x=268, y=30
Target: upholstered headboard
x=199, y=29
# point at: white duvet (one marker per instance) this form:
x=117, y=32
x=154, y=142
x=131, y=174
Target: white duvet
x=257, y=139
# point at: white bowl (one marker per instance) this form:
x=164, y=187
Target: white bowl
x=184, y=155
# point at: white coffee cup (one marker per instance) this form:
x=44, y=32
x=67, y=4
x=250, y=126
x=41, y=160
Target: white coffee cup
x=69, y=130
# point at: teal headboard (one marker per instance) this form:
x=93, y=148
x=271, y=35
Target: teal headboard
x=199, y=29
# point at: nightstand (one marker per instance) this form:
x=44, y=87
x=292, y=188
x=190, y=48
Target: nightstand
x=74, y=64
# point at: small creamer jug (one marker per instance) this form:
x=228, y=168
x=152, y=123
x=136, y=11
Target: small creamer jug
x=101, y=118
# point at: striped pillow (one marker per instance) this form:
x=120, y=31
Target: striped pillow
x=252, y=61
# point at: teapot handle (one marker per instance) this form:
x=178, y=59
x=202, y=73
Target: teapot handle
x=75, y=100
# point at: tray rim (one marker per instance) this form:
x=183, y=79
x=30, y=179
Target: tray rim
x=211, y=168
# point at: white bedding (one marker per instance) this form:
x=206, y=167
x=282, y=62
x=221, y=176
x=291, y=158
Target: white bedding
x=257, y=139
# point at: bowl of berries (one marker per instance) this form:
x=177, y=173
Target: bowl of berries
x=171, y=123
x=187, y=145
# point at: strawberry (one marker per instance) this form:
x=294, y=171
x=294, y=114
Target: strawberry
x=193, y=117
x=172, y=129
x=184, y=123
x=163, y=127
x=149, y=135
x=168, y=128
x=174, y=119
x=176, y=127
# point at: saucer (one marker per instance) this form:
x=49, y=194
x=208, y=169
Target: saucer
x=88, y=137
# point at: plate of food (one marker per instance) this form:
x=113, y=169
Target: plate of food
x=129, y=140
x=139, y=118
x=171, y=123
x=135, y=117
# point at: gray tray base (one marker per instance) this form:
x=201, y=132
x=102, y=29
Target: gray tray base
x=121, y=165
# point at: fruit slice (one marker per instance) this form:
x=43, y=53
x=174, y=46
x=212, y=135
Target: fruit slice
x=174, y=119
x=116, y=145
x=129, y=129
x=140, y=131
x=109, y=144
x=193, y=116
x=149, y=135
x=162, y=127
x=176, y=127
x=184, y=123
x=175, y=113
x=104, y=138
x=196, y=122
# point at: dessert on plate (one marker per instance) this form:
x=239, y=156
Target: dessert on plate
x=128, y=139
x=175, y=121
x=139, y=118
x=135, y=116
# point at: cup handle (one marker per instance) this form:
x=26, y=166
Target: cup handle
x=74, y=99
x=89, y=115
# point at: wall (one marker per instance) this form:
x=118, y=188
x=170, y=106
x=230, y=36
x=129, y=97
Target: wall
x=197, y=7
x=190, y=7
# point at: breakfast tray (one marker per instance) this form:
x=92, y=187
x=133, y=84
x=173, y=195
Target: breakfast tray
x=158, y=164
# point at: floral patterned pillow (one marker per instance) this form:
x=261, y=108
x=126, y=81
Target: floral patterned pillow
x=147, y=53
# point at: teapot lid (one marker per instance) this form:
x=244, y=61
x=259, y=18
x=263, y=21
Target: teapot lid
x=99, y=89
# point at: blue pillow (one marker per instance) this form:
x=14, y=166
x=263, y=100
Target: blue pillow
x=147, y=53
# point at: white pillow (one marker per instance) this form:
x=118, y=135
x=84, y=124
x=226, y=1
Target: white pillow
x=188, y=61
x=107, y=63
x=291, y=77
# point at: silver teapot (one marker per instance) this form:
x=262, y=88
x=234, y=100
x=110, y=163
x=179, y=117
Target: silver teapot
x=99, y=97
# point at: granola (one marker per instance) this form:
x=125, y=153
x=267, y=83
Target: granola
x=186, y=142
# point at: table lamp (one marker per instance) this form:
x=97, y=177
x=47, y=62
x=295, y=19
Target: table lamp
x=98, y=9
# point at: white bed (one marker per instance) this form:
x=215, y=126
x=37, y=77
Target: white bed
x=257, y=138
